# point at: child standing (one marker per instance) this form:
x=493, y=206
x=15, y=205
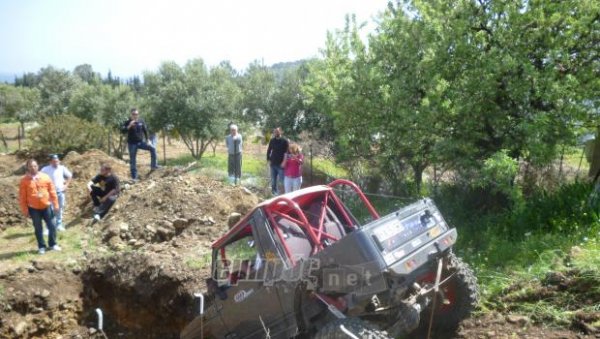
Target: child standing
x=292, y=168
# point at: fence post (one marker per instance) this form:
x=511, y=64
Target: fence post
x=310, y=153
x=164, y=147
x=109, y=140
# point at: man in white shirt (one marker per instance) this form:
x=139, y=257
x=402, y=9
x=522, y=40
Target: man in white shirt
x=61, y=177
x=234, y=149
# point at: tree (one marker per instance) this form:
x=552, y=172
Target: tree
x=343, y=87
x=20, y=103
x=56, y=87
x=193, y=100
x=106, y=105
x=454, y=84
x=86, y=73
x=258, y=89
x=28, y=79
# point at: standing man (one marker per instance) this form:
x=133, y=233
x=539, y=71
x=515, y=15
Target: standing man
x=61, y=178
x=137, y=138
x=278, y=146
x=234, y=150
x=36, y=195
x=104, y=189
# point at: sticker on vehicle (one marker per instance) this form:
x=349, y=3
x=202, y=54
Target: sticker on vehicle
x=242, y=295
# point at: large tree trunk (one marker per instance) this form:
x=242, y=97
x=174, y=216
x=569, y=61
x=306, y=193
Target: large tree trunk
x=4, y=140
x=595, y=164
x=418, y=173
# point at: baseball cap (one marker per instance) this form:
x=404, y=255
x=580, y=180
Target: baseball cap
x=54, y=156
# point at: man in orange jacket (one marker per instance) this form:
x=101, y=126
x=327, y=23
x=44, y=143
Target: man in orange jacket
x=36, y=195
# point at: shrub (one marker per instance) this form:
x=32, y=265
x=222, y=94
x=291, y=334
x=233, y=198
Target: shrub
x=64, y=133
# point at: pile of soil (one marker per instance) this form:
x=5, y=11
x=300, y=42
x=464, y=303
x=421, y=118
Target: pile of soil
x=41, y=300
x=85, y=166
x=11, y=169
x=154, y=211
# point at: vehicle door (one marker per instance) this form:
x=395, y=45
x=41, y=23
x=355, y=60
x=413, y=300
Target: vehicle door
x=249, y=307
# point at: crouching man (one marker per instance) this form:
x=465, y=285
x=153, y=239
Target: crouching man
x=104, y=189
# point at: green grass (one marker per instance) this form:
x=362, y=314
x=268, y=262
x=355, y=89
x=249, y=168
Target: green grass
x=573, y=159
x=72, y=242
x=201, y=262
x=328, y=167
x=512, y=251
x=255, y=171
x=250, y=165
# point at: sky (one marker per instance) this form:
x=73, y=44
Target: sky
x=132, y=36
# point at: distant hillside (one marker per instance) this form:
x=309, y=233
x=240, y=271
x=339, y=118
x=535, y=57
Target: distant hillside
x=7, y=78
x=281, y=68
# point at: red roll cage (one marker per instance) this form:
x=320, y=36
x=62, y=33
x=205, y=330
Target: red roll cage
x=289, y=207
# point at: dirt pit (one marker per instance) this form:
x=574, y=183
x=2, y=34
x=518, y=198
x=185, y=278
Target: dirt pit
x=144, y=295
x=140, y=265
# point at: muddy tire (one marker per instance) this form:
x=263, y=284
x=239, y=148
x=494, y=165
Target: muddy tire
x=462, y=293
x=359, y=328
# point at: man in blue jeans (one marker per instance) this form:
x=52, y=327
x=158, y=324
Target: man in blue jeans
x=137, y=138
x=61, y=178
x=278, y=146
x=37, y=198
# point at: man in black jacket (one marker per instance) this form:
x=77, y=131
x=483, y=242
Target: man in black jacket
x=278, y=146
x=104, y=189
x=137, y=138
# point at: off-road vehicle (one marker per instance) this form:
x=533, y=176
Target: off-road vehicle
x=301, y=265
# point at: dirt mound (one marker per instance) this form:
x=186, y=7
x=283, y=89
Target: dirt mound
x=87, y=165
x=496, y=325
x=41, y=300
x=9, y=203
x=154, y=211
x=146, y=295
x=10, y=165
x=11, y=169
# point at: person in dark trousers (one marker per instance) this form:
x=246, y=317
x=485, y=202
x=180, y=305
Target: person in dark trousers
x=234, y=150
x=37, y=199
x=278, y=146
x=137, y=138
x=104, y=189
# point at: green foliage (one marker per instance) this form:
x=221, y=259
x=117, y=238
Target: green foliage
x=258, y=87
x=498, y=175
x=86, y=73
x=56, y=88
x=512, y=251
x=452, y=84
x=193, y=101
x=19, y=103
x=65, y=133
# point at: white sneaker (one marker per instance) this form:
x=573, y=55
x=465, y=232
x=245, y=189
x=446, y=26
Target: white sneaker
x=97, y=217
x=41, y=250
x=56, y=248
x=61, y=228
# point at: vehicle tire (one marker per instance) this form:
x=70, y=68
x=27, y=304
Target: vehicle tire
x=462, y=293
x=359, y=328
